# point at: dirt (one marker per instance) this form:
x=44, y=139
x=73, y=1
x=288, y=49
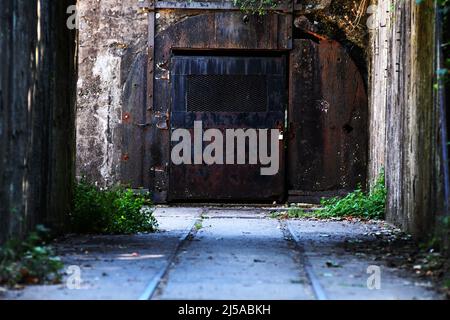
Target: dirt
x=399, y=250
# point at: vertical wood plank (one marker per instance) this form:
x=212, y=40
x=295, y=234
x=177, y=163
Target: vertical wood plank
x=36, y=115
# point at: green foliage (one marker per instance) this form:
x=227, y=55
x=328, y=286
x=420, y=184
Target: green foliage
x=292, y=213
x=111, y=211
x=29, y=261
x=259, y=7
x=447, y=283
x=198, y=226
x=358, y=203
x=275, y=214
x=296, y=212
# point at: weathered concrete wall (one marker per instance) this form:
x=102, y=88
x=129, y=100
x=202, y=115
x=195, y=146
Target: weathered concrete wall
x=113, y=40
x=37, y=113
x=112, y=34
x=403, y=117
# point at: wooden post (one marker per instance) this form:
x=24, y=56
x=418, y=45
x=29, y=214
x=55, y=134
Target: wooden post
x=37, y=86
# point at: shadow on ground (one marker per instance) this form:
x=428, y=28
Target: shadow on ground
x=235, y=253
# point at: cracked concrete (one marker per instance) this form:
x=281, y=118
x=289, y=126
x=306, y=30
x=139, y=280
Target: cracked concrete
x=234, y=253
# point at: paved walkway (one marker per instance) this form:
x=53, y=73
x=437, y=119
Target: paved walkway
x=229, y=253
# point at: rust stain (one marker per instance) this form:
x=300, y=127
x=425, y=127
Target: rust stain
x=126, y=117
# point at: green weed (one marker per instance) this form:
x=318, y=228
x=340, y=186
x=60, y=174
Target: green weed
x=116, y=210
x=29, y=261
x=198, y=226
x=291, y=213
x=359, y=204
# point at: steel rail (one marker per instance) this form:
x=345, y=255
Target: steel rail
x=162, y=273
x=317, y=288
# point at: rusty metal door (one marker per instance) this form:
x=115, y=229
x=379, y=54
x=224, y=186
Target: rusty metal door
x=327, y=145
x=227, y=92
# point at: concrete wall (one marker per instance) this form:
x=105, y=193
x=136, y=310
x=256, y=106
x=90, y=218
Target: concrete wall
x=112, y=34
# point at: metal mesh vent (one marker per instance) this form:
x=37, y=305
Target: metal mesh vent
x=226, y=93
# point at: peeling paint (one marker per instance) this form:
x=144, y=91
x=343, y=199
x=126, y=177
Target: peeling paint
x=109, y=32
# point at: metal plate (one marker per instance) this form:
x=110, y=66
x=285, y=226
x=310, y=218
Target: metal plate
x=230, y=93
x=226, y=93
x=327, y=146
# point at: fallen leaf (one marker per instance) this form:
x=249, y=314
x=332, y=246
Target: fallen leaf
x=32, y=280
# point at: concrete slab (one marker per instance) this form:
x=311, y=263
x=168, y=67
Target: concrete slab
x=114, y=267
x=236, y=258
x=237, y=253
x=344, y=275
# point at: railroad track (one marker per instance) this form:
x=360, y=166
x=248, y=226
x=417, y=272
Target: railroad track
x=157, y=283
x=314, y=282
x=152, y=287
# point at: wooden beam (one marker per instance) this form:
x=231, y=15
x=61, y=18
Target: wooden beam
x=151, y=5
x=148, y=174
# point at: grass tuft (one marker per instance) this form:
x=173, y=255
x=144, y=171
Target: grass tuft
x=115, y=210
x=358, y=204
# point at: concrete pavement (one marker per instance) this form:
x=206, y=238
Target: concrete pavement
x=229, y=253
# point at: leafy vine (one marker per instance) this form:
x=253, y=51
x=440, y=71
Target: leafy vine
x=257, y=7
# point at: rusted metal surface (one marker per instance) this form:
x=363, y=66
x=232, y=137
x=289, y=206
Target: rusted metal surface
x=327, y=111
x=150, y=175
x=222, y=182
x=225, y=30
x=133, y=118
x=327, y=120
x=227, y=5
x=215, y=30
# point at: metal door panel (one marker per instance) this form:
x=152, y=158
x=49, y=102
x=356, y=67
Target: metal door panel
x=227, y=182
